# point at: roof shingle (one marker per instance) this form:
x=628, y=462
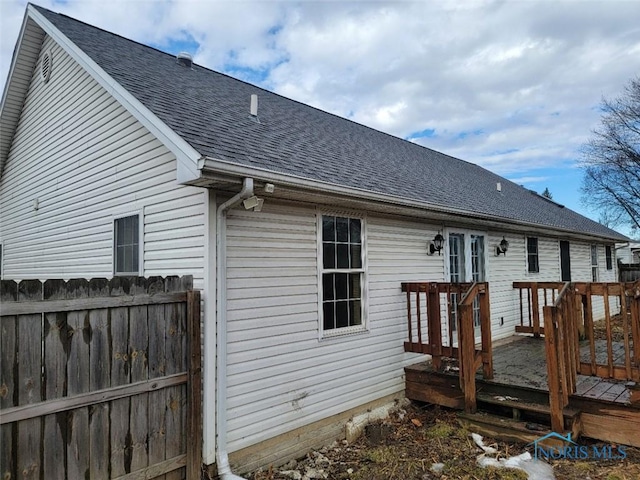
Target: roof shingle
x=210, y=111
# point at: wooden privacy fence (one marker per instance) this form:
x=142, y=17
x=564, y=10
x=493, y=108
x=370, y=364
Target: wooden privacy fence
x=628, y=272
x=100, y=379
x=461, y=304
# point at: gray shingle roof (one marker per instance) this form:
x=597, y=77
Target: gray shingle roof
x=211, y=112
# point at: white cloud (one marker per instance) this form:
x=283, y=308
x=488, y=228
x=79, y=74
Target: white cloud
x=509, y=85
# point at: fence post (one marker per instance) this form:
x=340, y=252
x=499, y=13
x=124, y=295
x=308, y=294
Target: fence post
x=194, y=387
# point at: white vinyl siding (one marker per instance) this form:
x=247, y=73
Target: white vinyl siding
x=503, y=270
x=275, y=353
x=87, y=161
x=581, y=271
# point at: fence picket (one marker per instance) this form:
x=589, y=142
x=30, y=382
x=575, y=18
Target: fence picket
x=78, y=379
x=8, y=370
x=29, y=375
x=74, y=379
x=56, y=346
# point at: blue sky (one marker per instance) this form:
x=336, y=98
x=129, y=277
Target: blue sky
x=513, y=85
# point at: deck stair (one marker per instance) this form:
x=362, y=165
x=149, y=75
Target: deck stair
x=512, y=419
x=507, y=429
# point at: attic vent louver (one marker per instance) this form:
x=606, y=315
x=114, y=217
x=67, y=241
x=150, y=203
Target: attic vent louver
x=184, y=59
x=45, y=66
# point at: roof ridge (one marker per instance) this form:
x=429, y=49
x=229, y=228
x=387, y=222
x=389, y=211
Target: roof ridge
x=205, y=109
x=266, y=90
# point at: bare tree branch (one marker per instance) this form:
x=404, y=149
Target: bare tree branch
x=611, y=160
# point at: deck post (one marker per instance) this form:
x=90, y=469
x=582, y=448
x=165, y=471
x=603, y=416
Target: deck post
x=434, y=324
x=408, y=286
x=466, y=356
x=535, y=310
x=634, y=300
x=555, y=403
x=485, y=331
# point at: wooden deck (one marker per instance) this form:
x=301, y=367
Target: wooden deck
x=609, y=410
x=521, y=361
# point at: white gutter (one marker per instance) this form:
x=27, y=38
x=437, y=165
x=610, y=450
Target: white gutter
x=295, y=181
x=222, y=457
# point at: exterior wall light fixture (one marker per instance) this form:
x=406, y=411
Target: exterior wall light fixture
x=436, y=244
x=502, y=248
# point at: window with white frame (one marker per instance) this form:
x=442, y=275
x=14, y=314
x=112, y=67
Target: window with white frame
x=608, y=255
x=126, y=245
x=533, y=264
x=594, y=263
x=342, y=269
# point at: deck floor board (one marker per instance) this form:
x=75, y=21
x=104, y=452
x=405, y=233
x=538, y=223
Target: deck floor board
x=521, y=361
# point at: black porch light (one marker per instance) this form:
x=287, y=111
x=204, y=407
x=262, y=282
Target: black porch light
x=436, y=244
x=503, y=247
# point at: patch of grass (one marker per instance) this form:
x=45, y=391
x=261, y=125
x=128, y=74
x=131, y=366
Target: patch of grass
x=473, y=470
x=440, y=430
x=383, y=463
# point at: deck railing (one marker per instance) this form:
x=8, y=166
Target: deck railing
x=616, y=353
x=533, y=295
x=563, y=353
x=463, y=305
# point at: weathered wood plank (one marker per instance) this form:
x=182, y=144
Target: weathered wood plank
x=100, y=366
x=620, y=427
x=155, y=471
x=535, y=309
x=626, y=331
x=56, y=346
x=435, y=394
x=553, y=380
x=29, y=383
x=78, y=381
x=194, y=387
x=409, y=312
x=619, y=372
x=157, y=368
x=8, y=377
x=120, y=376
x=613, y=392
x=598, y=390
x=485, y=332
x=586, y=383
x=24, y=412
x=434, y=326
x=138, y=422
x=175, y=440
x=466, y=342
x=70, y=305
x=175, y=315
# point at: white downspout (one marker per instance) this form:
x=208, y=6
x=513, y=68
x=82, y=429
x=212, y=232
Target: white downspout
x=222, y=457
